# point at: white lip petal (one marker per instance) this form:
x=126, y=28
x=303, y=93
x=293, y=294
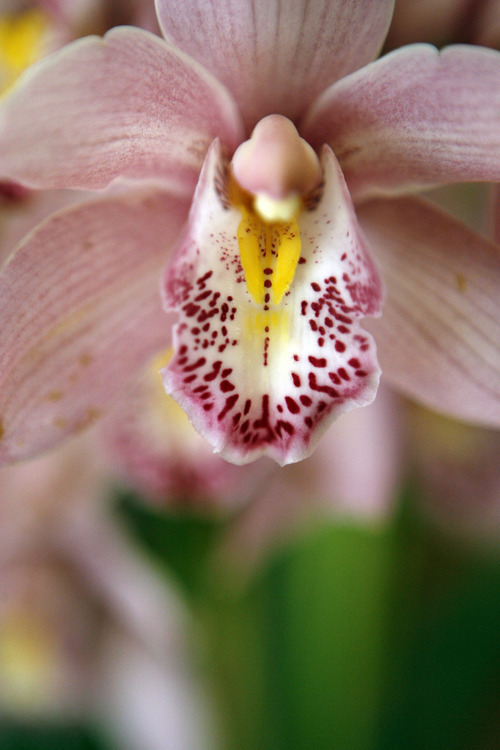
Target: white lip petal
x=261, y=378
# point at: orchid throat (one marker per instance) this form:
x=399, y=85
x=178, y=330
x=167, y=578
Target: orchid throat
x=271, y=175
x=269, y=281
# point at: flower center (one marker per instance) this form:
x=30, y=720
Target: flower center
x=273, y=171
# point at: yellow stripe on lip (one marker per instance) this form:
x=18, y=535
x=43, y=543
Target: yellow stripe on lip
x=269, y=255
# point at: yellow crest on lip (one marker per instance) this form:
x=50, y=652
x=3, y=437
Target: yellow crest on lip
x=269, y=255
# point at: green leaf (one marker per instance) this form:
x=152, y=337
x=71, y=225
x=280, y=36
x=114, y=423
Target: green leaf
x=180, y=541
x=443, y=646
x=49, y=736
x=298, y=654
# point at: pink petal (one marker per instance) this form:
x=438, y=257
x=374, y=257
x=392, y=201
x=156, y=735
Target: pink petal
x=128, y=104
x=276, y=57
x=268, y=377
x=438, y=336
x=415, y=117
x=79, y=313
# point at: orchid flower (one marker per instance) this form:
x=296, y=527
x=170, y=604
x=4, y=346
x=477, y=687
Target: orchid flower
x=239, y=145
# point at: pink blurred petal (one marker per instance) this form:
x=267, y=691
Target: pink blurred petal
x=269, y=376
x=332, y=479
x=128, y=105
x=415, y=117
x=355, y=472
x=276, y=57
x=439, y=332
x=79, y=313
x=153, y=448
x=35, y=495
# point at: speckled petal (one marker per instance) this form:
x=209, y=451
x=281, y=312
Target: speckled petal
x=267, y=376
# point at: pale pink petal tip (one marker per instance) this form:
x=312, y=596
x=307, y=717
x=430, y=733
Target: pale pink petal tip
x=257, y=374
x=276, y=161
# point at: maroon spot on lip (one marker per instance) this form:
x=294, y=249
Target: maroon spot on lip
x=215, y=371
x=292, y=405
x=199, y=363
x=206, y=276
x=317, y=361
x=203, y=295
x=191, y=309
x=230, y=402
x=314, y=386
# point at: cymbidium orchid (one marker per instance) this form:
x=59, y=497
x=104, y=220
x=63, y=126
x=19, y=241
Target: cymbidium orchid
x=241, y=143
